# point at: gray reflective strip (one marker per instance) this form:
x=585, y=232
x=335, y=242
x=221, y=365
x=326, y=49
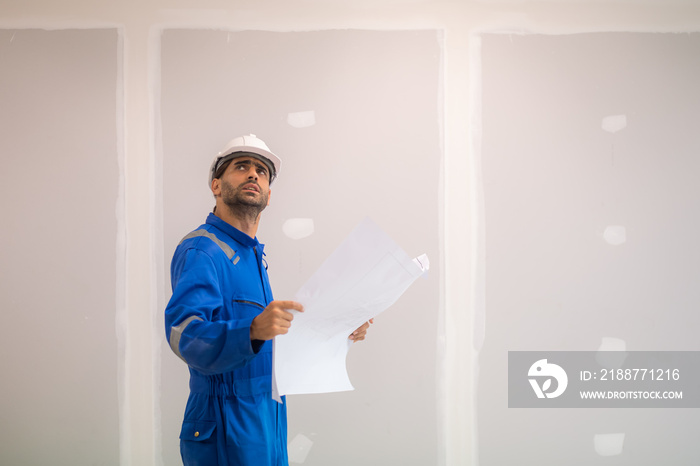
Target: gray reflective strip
x=228, y=250
x=176, y=333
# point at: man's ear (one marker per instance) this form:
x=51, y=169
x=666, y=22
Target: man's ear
x=269, y=195
x=216, y=187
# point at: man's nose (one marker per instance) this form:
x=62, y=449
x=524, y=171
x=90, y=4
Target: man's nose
x=253, y=173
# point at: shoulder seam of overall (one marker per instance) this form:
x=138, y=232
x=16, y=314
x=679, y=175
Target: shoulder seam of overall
x=203, y=233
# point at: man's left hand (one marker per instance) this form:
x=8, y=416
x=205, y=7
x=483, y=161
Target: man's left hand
x=361, y=332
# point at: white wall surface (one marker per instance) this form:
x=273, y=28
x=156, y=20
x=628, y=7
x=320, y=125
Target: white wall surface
x=590, y=157
x=123, y=352
x=59, y=183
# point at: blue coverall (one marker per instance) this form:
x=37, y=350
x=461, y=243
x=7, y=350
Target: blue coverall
x=219, y=286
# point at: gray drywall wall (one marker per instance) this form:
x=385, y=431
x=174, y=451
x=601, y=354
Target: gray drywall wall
x=590, y=157
x=58, y=189
x=356, y=118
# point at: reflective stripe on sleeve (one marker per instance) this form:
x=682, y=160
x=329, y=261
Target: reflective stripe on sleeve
x=228, y=250
x=176, y=333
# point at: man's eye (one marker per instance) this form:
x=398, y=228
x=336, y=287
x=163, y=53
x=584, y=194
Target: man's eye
x=262, y=172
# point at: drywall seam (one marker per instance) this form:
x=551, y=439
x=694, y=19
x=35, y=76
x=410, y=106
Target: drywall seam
x=121, y=317
x=477, y=194
x=157, y=234
x=293, y=20
x=46, y=24
x=478, y=232
x=458, y=435
x=441, y=389
x=139, y=408
x=517, y=29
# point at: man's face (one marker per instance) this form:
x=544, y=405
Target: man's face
x=246, y=184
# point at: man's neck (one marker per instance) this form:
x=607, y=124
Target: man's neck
x=245, y=223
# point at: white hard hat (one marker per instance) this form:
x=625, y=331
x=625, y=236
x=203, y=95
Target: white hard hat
x=249, y=145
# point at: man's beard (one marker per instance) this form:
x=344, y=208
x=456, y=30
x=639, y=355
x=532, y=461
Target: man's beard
x=241, y=204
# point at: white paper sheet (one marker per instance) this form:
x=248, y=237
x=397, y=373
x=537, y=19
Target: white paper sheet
x=365, y=275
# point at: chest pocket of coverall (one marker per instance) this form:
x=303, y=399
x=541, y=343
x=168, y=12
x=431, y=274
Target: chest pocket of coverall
x=244, y=308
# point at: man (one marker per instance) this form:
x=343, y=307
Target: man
x=222, y=316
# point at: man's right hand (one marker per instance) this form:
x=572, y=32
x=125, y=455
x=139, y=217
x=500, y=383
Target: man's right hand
x=274, y=320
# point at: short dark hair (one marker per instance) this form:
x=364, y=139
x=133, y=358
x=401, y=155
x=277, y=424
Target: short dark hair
x=220, y=171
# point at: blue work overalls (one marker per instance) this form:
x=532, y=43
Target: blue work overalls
x=219, y=285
